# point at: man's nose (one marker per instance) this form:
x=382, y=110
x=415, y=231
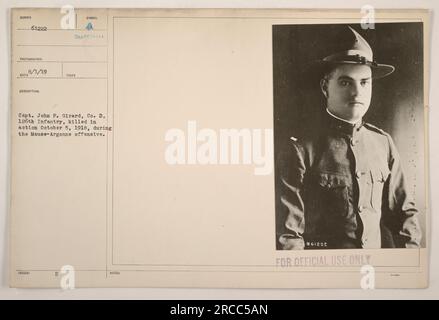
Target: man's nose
x=355, y=89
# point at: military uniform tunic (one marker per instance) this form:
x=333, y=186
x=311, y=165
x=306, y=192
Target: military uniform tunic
x=344, y=188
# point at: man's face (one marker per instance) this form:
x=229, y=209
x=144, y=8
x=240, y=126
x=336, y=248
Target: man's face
x=348, y=90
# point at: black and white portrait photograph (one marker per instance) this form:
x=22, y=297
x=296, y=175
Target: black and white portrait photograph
x=349, y=136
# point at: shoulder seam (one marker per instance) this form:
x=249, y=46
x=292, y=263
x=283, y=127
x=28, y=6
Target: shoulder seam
x=376, y=129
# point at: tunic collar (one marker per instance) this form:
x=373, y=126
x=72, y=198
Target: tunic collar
x=343, y=125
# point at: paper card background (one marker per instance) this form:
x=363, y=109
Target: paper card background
x=145, y=291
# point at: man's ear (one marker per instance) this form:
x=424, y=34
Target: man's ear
x=324, y=87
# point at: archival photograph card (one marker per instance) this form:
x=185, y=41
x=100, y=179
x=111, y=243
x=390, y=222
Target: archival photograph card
x=221, y=148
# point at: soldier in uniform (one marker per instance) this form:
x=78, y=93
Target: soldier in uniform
x=344, y=187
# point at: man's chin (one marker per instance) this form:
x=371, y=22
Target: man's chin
x=351, y=114
x=353, y=117
x=356, y=113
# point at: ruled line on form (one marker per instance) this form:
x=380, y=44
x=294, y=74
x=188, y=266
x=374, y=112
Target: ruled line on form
x=60, y=45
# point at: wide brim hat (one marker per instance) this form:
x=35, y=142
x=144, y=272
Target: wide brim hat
x=353, y=49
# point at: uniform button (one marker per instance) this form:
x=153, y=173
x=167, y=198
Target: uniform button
x=360, y=208
x=365, y=241
x=352, y=142
x=359, y=174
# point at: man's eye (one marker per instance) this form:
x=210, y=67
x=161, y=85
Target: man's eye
x=344, y=83
x=364, y=83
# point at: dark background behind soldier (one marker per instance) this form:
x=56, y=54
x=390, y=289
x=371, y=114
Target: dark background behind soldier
x=397, y=100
